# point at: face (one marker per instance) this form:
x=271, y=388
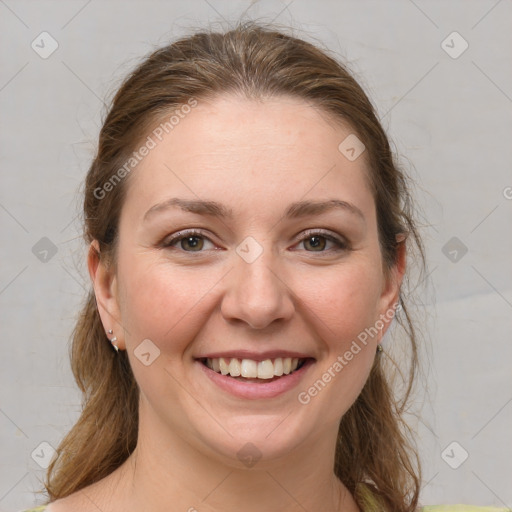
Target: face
x=225, y=250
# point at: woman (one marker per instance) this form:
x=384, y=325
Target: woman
x=248, y=232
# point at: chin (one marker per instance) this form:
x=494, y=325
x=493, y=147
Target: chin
x=255, y=440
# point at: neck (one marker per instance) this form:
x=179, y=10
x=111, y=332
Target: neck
x=165, y=471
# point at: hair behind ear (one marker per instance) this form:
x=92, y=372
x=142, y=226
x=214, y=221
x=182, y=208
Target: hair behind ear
x=105, y=434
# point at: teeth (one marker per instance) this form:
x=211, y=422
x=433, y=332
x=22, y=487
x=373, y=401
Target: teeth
x=278, y=366
x=250, y=369
x=265, y=369
x=235, y=368
x=224, y=367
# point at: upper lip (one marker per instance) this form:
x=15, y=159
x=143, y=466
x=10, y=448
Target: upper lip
x=255, y=356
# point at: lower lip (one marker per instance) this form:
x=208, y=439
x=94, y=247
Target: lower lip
x=256, y=390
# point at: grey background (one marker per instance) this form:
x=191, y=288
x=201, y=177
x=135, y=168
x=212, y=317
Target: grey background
x=449, y=118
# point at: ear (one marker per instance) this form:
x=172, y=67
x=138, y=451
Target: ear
x=105, y=288
x=390, y=295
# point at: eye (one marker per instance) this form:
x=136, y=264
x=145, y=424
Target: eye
x=189, y=241
x=318, y=240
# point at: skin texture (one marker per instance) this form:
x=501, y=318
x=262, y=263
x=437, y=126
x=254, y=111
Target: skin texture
x=256, y=158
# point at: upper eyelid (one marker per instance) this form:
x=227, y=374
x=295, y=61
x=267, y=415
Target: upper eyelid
x=184, y=233
x=320, y=231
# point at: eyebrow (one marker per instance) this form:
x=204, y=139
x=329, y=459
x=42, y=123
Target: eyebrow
x=215, y=209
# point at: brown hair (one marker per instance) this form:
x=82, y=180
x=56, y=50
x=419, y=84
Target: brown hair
x=255, y=60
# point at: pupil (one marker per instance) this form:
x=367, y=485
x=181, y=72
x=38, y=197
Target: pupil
x=193, y=241
x=317, y=242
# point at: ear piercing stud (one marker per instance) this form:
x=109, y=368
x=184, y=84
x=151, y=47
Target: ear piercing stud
x=113, y=340
x=379, y=348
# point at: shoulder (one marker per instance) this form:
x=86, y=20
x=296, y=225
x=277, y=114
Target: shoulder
x=370, y=502
x=428, y=508
x=462, y=508
x=61, y=505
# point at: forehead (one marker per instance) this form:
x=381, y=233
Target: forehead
x=264, y=149
x=231, y=125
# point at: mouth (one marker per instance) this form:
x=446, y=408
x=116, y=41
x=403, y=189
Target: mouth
x=249, y=370
x=252, y=379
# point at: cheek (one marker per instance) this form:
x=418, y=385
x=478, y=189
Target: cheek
x=342, y=374
x=343, y=310
x=162, y=303
x=168, y=307
x=344, y=301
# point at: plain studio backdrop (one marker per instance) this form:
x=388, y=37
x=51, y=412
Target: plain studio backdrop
x=439, y=73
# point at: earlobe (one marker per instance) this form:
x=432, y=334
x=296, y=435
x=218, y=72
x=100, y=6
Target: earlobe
x=105, y=289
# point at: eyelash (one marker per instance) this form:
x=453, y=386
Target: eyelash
x=341, y=244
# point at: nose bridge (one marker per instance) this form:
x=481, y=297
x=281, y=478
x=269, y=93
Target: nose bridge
x=257, y=294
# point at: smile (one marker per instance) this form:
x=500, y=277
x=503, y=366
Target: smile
x=250, y=369
x=251, y=379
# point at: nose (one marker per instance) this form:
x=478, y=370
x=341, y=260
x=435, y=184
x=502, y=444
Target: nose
x=257, y=294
